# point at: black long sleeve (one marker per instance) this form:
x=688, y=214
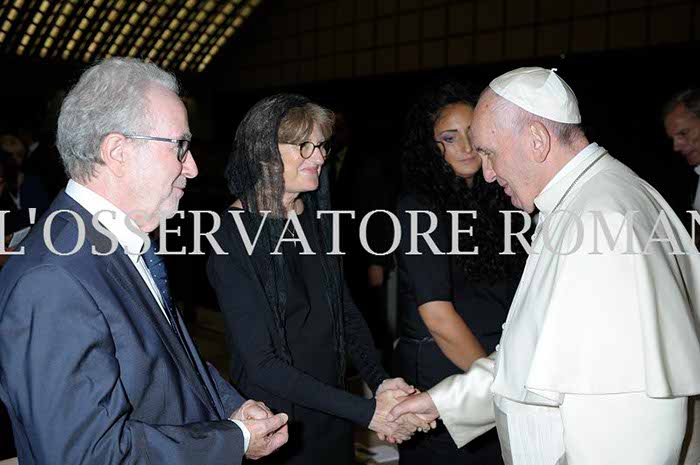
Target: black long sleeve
x=243, y=303
x=360, y=345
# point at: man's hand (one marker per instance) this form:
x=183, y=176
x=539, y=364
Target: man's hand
x=396, y=431
x=251, y=410
x=395, y=383
x=266, y=435
x=421, y=405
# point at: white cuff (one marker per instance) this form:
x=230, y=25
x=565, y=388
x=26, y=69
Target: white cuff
x=465, y=402
x=246, y=434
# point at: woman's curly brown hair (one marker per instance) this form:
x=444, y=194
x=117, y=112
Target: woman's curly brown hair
x=428, y=176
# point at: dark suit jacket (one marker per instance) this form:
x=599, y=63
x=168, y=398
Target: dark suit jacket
x=90, y=370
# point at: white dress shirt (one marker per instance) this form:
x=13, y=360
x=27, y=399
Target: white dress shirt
x=115, y=220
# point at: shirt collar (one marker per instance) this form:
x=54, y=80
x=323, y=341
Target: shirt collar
x=557, y=186
x=697, y=169
x=131, y=242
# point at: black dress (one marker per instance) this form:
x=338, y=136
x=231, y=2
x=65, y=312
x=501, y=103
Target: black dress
x=417, y=357
x=321, y=411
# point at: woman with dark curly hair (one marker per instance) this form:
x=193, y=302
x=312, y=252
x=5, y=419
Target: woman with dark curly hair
x=289, y=319
x=451, y=307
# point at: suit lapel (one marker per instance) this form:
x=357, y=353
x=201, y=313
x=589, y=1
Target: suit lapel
x=123, y=271
x=201, y=367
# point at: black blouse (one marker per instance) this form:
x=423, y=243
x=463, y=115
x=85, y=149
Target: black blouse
x=310, y=381
x=431, y=277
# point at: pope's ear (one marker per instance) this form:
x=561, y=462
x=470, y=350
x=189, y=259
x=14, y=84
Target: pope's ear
x=540, y=140
x=113, y=153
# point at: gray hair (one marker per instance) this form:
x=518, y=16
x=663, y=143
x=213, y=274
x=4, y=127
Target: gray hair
x=298, y=123
x=689, y=98
x=109, y=97
x=516, y=118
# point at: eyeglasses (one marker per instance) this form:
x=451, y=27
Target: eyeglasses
x=183, y=145
x=306, y=149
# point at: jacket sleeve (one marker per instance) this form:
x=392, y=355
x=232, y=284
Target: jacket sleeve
x=231, y=399
x=61, y=375
x=243, y=304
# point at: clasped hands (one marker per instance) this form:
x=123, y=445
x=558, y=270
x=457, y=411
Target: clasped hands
x=401, y=411
x=268, y=432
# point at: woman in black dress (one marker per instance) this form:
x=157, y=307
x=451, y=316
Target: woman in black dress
x=451, y=307
x=289, y=320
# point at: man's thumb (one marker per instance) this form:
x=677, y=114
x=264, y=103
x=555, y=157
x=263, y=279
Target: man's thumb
x=272, y=424
x=397, y=411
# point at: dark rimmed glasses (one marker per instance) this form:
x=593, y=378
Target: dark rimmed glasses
x=306, y=148
x=183, y=145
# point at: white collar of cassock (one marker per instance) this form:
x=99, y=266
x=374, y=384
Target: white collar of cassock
x=557, y=186
x=697, y=169
x=111, y=217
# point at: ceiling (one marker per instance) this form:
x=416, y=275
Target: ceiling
x=182, y=35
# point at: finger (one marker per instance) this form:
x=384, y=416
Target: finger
x=259, y=411
x=399, y=383
x=407, y=427
x=381, y=436
x=264, y=407
x=255, y=412
x=433, y=424
x=416, y=421
x=402, y=408
x=273, y=423
x=284, y=430
x=277, y=440
x=405, y=431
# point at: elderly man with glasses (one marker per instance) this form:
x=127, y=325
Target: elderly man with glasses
x=95, y=363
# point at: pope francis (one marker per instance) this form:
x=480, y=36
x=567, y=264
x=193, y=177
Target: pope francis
x=600, y=351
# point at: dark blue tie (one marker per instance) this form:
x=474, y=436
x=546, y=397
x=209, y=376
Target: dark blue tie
x=156, y=266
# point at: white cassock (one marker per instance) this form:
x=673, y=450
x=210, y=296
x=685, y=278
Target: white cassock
x=600, y=350
x=696, y=200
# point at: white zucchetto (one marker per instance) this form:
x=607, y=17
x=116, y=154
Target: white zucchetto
x=539, y=91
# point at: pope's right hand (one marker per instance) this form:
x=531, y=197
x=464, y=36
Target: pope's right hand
x=419, y=404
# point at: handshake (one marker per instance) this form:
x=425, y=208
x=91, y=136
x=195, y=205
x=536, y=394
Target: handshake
x=401, y=411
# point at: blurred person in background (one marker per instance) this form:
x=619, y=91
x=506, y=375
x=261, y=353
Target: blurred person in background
x=29, y=191
x=682, y=123
x=42, y=158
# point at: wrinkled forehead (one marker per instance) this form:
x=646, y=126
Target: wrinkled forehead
x=165, y=107
x=483, y=126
